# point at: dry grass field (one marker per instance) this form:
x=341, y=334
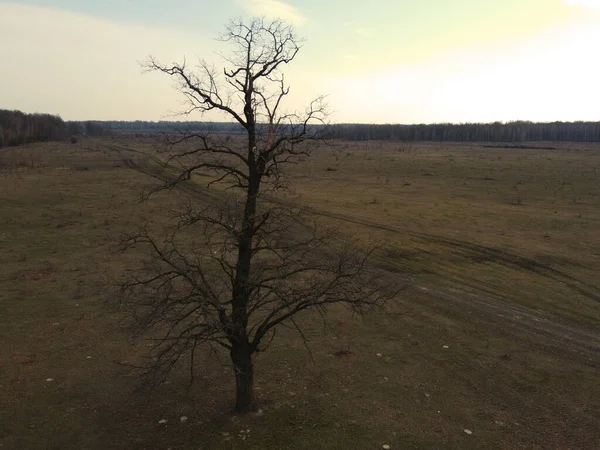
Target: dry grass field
x=498, y=332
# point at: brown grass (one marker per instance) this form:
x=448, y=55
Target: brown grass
x=473, y=228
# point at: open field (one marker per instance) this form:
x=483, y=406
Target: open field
x=500, y=247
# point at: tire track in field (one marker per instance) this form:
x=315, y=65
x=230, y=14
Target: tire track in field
x=518, y=320
x=515, y=319
x=480, y=253
x=512, y=318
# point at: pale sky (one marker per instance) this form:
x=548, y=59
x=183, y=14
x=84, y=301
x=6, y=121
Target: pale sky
x=379, y=61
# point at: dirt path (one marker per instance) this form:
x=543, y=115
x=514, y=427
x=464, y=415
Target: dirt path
x=517, y=320
x=520, y=321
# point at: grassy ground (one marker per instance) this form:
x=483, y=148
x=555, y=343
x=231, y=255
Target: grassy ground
x=501, y=247
x=518, y=224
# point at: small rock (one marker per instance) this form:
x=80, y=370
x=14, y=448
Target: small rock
x=183, y=419
x=88, y=357
x=379, y=355
x=49, y=379
x=386, y=447
x=162, y=421
x=427, y=395
x=468, y=431
x=445, y=346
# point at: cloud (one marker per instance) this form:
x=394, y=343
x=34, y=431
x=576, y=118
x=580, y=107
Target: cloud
x=274, y=9
x=583, y=3
x=86, y=68
x=365, y=32
x=83, y=67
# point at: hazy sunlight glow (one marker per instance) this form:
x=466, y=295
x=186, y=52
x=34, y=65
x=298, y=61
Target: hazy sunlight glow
x=393, y=62
x=585, y=3
x=275, y=9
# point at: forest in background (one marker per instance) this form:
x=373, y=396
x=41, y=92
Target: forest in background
x=518, y=131
x=18, y=128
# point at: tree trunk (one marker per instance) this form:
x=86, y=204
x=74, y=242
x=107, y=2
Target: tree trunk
x=244, y=379
x=241, y=350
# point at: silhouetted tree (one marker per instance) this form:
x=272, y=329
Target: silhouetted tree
x=245, y=267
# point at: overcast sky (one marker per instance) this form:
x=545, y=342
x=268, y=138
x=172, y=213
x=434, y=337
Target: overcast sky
x=382, y=61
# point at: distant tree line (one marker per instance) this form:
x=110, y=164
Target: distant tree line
x=472, y=132
x=518, y=131
x=18, y=128
x=162, y=126
x=89, y=128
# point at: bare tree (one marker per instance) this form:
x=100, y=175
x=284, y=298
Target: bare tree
x=233, y=269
